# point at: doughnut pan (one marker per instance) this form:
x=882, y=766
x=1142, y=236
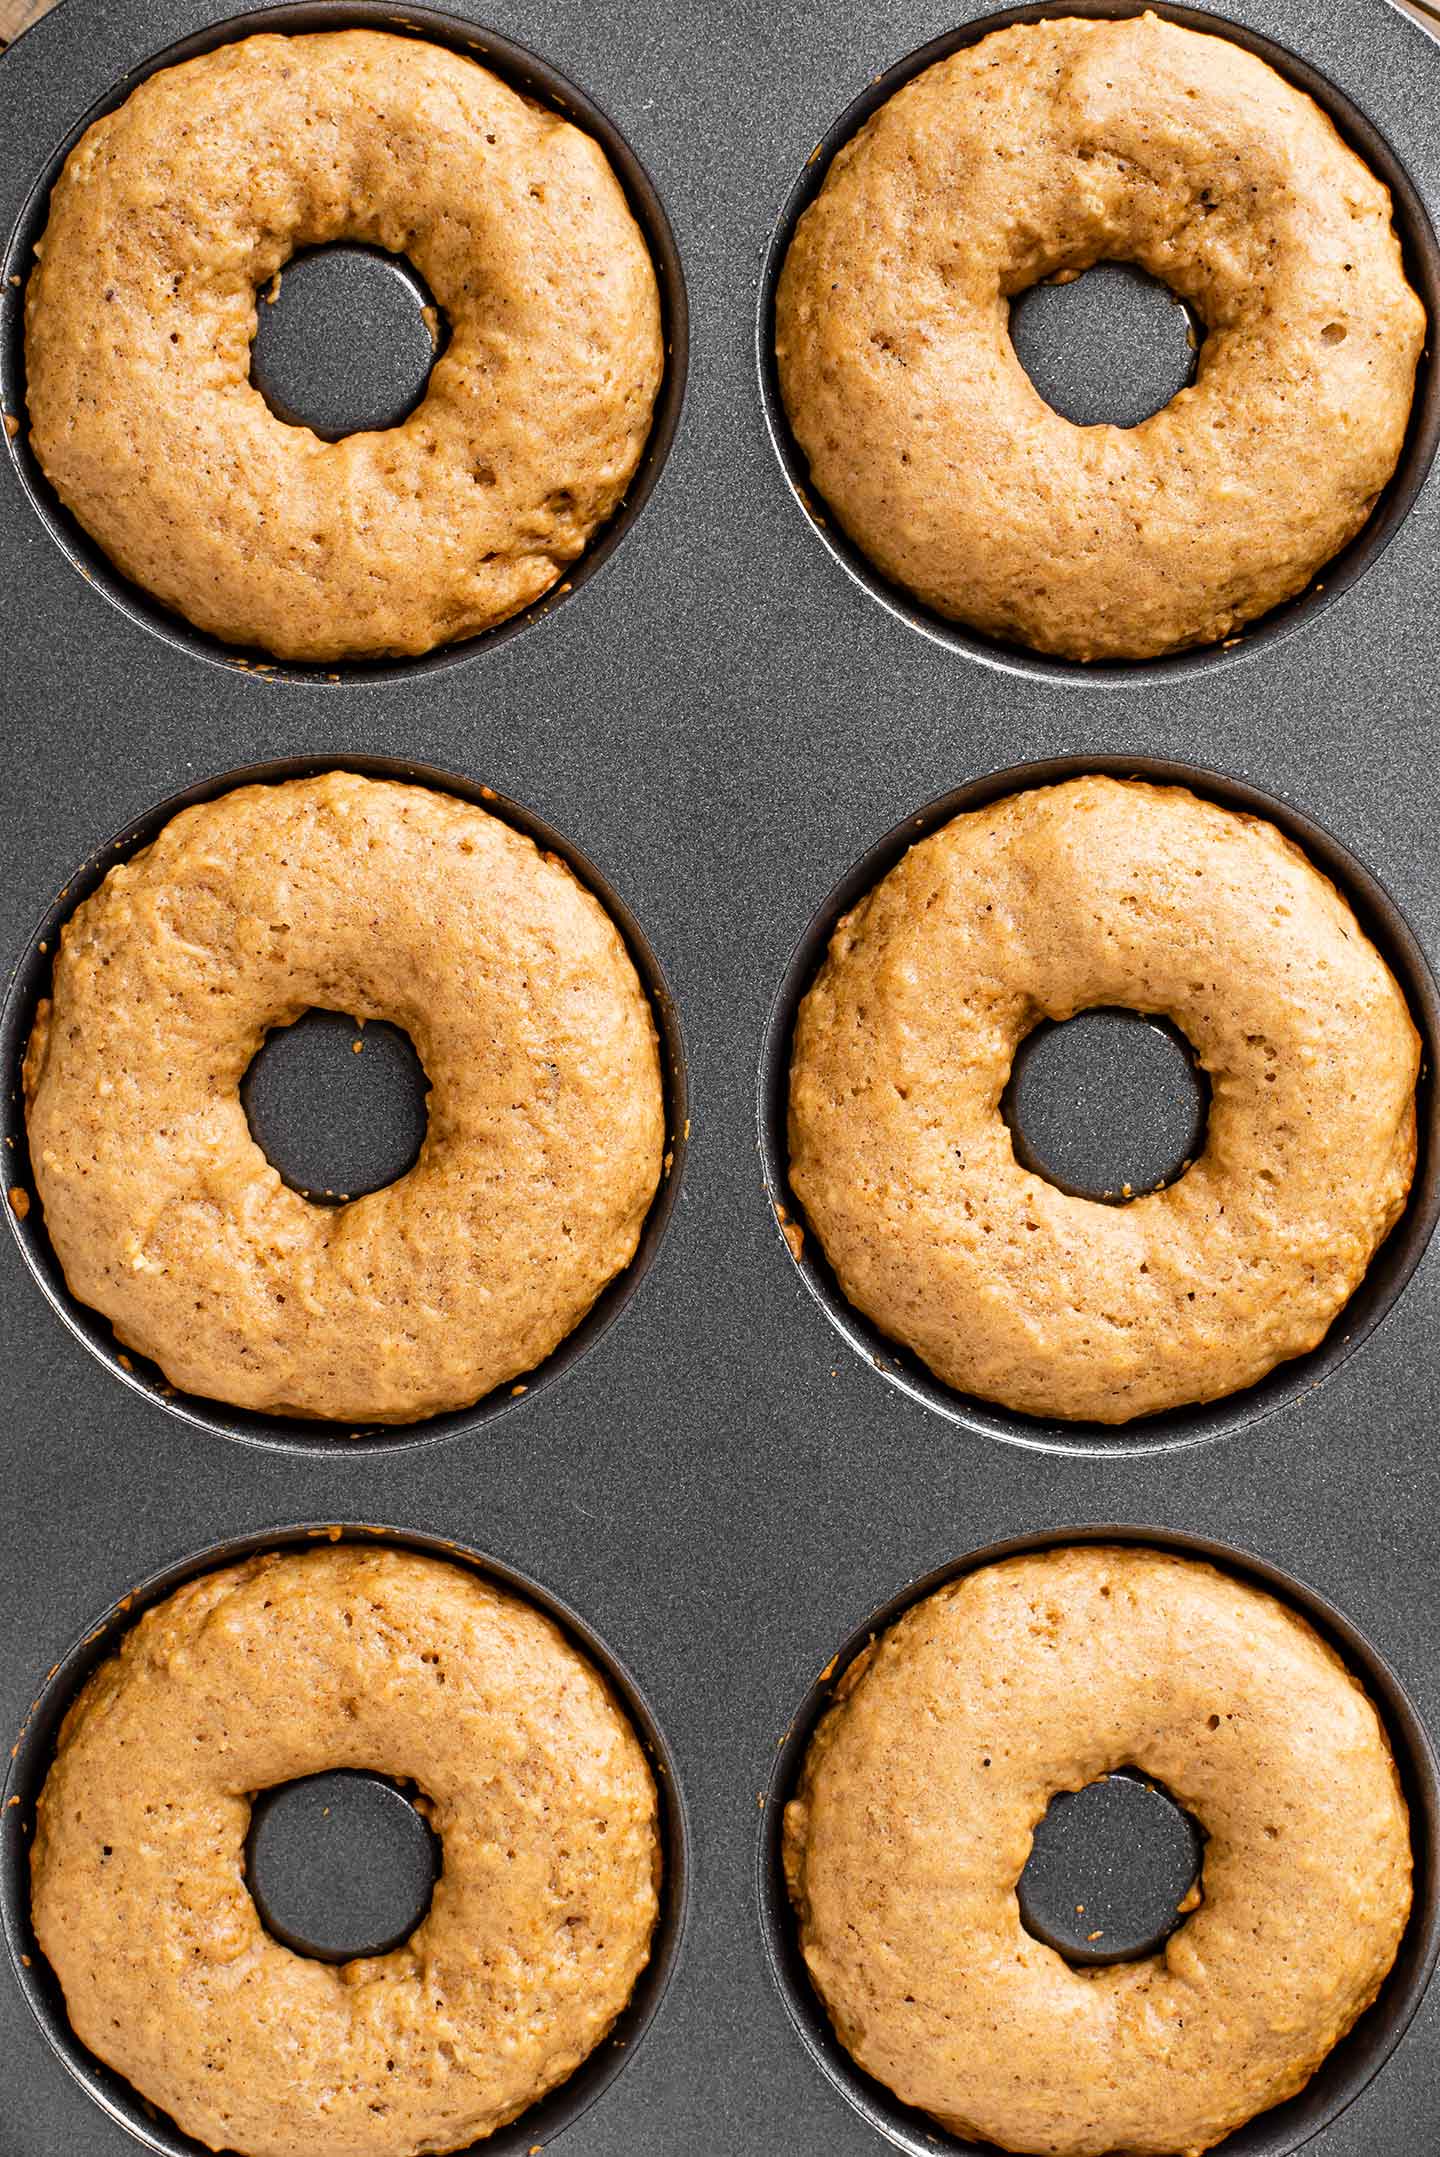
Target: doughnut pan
x=725, y=1480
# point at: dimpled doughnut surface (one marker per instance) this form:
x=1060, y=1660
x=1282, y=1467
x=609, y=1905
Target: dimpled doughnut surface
x=925, y=1782
x=1102, y=893
x=292, y=1665
x=546, y=1115
x=1039, y=151
x=171, y=216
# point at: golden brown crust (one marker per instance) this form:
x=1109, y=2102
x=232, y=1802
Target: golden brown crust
x=287, y=1666
x=174, y=211
x=924, y=1784
x=1042, y=149
x=546, y=1116
x=1092, y=893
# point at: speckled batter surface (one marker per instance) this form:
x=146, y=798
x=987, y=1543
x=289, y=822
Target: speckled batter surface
x=925, y=1782
x=1037, y=152
x=546, y=1112
x=292, y=1665
x=174, y=212
x=1102, y=892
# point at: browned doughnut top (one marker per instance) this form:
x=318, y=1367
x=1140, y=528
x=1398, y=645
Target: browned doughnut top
x=1102, y=892
x=289, y=1666
x=546, y=1114
x=1042, y=149
x=922, y=1790
x=175, y=211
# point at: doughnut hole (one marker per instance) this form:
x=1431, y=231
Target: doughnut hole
x=1109, y=344
x=341, y=1865
x=1107, y=1105
x=345, y=339
x=338, y=1107
x=1114, y=1870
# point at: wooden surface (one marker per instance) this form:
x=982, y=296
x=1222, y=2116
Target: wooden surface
x=16, y=14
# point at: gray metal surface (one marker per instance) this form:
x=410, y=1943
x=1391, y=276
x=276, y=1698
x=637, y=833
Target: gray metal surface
x=346, y=1846
x=723, y=722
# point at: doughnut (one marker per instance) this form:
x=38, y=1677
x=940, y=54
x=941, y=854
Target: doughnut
x=381, y=900
x=926, y=1779
x=1102, y=893
x=1034, y=154
x=173, y=213
x=292, y=1665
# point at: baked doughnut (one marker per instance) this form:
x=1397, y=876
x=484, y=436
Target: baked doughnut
x=1043, y=149
x=546, y=1115
x=1102, y=892
x=288, y=1666
x=174, y=212
x=924, y=1784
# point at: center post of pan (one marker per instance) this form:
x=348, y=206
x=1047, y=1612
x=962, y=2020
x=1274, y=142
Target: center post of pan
x=340, y=1865
x=345, y=339
x=1112, y=1871
x=1107, y=1105
x=1111, y=345
x=338, y=1108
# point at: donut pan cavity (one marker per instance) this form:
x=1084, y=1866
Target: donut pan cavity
x=1102, y=1061
x=315, y=1109
x=1353, y=2063
x=36, y=1748
x=1152, y=352
x=729, y=731
x=349, y=369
